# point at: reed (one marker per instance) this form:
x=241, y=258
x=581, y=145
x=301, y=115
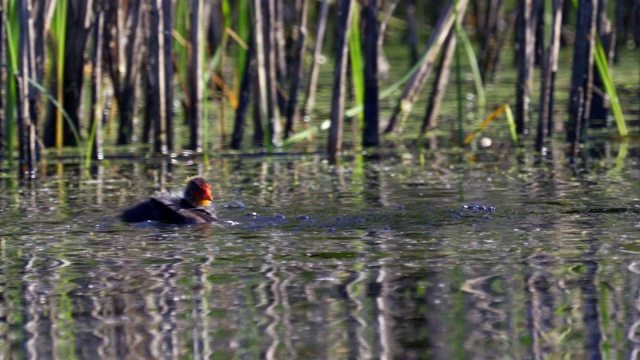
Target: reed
x=12, y=32
x=297, y=72
x=609, y=85
x=259, y=57
x=95, y=139
x=459, y=99
x=3, y=76
x=195, y=114
x=582, y=71
x=345, y=16
x=356, y=59
x=372, y=46
x=317, y=52
x=454, y=11
x=59, y=34
x=440, y=84
x=357, y=70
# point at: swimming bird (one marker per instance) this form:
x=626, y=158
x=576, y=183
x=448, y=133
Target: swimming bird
x=190, y=208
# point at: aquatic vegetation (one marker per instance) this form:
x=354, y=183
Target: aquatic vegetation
x=220, y=60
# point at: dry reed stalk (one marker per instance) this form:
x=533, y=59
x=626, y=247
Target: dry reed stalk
x=440, y=84
x=95, y=115
x=317, y=55
x=416, y=83
x=549, y=70
x=196, y=88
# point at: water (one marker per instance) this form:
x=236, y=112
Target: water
x=408, y=256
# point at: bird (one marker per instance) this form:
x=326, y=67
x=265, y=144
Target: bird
x=193, y=207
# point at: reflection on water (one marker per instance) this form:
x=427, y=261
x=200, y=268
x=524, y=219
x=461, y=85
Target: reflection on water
x=371, y=259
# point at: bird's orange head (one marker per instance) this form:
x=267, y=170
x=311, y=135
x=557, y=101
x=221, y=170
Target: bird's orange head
x=198, y=192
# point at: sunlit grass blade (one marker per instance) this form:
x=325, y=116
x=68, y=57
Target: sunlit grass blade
x=610, y=88
x=307, y=133
x=512, y=125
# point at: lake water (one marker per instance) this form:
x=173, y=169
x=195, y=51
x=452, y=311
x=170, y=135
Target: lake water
x=410, y=255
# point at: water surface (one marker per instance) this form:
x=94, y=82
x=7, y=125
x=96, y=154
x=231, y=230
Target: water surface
x=405, y=256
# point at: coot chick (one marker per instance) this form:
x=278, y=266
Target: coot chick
x=191, y=208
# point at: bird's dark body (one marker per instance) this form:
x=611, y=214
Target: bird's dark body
x=174, y=210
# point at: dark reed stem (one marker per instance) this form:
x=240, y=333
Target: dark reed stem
x=439, y=89
x=575, y=137
x=370, y=132
x=412, y=30
x=317, y=54
x=502, y=44
x=548, y=74
x=78, y=30
x=248, y=78
x=297, y=69
x=3, y=76
x=582, y=73
x=345, y=10
x=489, y=38
x=635, y=19
x=196, y=88
x=539, y=28
x=258, y=118
x=416, y=83
x=95, y=116
x=600, y=102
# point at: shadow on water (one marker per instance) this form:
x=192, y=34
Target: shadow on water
x=396, y=257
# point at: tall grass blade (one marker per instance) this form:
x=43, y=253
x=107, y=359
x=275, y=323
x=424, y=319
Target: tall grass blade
x=473, y=64
x=610, y=88
x=357, y=61
x=59, y=34
x=59, y=107
x=512, y=125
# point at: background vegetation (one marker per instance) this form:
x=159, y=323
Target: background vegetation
x=194, y=74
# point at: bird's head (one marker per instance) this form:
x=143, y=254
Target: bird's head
x=198, y=192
